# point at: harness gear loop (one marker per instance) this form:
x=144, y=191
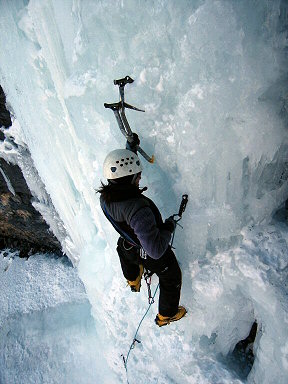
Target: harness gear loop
x=128, y=248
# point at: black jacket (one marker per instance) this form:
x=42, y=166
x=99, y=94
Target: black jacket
x=136, y=215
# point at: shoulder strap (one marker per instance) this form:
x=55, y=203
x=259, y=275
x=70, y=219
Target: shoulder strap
x=118, y=229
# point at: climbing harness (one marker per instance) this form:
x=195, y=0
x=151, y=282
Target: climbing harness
x=119, y=112
x=147, y=276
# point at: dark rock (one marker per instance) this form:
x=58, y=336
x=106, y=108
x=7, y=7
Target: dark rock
x=246, y=346
x=21, y=225
x=242, y=358
x=5, y=119
x=14, y=174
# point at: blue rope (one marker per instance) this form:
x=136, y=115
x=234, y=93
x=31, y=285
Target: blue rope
x=125, y=359
x=151, y=301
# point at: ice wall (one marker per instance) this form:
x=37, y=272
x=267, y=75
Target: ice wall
x=203, y=71
x=207, y=74
x=47, y=333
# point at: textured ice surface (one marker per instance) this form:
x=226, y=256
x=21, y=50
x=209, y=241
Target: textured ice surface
x=203, y=73
x=47, y=333
x=210, y=75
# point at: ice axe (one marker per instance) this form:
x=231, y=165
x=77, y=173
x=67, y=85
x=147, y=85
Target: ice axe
x=178, y=216
x=119, y=112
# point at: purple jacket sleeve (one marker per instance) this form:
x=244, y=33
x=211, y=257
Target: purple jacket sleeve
x=153, y=239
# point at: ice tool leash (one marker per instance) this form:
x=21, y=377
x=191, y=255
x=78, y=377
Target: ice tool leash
x=119, y=112
x=147, y=275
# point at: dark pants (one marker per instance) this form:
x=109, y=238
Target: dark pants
x=166, y=268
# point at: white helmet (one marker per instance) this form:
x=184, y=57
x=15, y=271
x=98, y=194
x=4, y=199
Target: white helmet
x=121, y=163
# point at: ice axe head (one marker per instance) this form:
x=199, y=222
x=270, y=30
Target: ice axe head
x=178, y=216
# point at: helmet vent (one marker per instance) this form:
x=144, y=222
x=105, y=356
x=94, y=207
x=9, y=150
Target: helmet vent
x=113, y=169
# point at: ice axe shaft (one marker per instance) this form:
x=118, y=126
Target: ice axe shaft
x=128, y=134
x=119, y=112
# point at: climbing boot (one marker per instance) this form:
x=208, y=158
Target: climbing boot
x=164, y=320
x=136, y=284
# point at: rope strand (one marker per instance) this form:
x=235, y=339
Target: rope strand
x=148, y=277
x=125, y=359
x=151, y=301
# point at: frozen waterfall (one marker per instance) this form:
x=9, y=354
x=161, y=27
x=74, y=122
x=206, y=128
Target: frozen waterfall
x=212, y=78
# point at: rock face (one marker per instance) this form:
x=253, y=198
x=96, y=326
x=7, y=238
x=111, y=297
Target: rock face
x=21, y=225
x=5, y=119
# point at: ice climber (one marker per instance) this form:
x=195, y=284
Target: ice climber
x=144, y=237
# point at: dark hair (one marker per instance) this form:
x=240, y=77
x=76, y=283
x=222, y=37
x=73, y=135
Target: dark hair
x=118, y=191
x=126, y=180
x=101, y=188
x=121, y=180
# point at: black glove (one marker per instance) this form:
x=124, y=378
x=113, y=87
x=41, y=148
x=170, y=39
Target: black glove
x=133, y=143
x=170, y=224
